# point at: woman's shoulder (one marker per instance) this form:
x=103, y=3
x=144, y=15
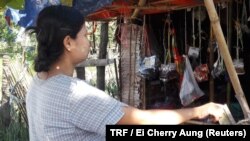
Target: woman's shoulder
x=64, y=78
x=61, y=81
x=72, y=81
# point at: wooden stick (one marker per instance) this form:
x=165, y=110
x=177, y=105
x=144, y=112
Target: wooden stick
x=214, y=19
x=137, y=10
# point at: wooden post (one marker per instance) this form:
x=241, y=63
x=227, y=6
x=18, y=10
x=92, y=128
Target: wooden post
x=117, y=81
x=102, y=55
x=214, y=19
x=80, y=72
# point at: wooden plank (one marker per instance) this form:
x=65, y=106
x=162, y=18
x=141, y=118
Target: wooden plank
x=95, y=62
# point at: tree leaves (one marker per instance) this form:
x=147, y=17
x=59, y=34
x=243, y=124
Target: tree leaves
x=15, y=4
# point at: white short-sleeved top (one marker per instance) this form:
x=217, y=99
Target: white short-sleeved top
x=63, y=108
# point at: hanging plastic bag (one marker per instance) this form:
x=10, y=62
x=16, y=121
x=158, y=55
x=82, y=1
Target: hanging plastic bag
x=239, y=66
x=201, y=73
x=238, y=62
x=218, y=69
x=168, y=72
x=190, y=90
x=193, y=52
x=148, y=68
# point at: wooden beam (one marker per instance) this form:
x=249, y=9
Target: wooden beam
x=95, y=62
x=161, y=2
x=137, y=10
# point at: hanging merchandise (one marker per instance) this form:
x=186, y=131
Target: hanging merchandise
x=201, y=71
x=149, y=66
x=169, y=75
x=244, y=18
x=168, y=70
x=178, y=60
x=218, y=67
x=238, y=62
x=185, y=35
x=193, y=51
x=176, y=54
x=190, y=90
x=219, y=70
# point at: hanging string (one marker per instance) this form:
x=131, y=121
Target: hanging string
x=145, y=41
x=164, y=42
x=221, y=63
x=143, y=29
x=169, y=57
x=185, y=24
x=243, y=23
x=244, y=13
x=199, y=27
x=228, y=25
x=237, y=30
x=193, y=36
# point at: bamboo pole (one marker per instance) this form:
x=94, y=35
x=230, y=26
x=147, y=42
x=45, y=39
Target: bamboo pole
x=137, y=10
x=214, y=19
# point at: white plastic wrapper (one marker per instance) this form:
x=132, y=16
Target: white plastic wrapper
x=190, y=90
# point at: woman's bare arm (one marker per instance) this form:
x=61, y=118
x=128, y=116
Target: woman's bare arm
x=178, y=116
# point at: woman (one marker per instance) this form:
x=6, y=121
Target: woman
x=61, y=107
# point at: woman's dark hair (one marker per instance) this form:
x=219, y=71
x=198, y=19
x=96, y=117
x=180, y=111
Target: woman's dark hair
x=53, y=24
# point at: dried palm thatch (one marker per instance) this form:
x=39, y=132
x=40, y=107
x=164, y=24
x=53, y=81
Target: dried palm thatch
x=18, y=79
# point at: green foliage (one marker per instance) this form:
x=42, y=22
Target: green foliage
x=9, y=45
x=16, y=131
x=30, y=53
x=111, y=87
x=16, y=4
x=3, y=3
x=6, y=34
x=92, y=82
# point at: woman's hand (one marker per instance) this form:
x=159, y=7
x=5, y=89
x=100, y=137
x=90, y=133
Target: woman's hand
x=213, y=110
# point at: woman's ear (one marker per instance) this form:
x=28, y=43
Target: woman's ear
x=67, y=42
